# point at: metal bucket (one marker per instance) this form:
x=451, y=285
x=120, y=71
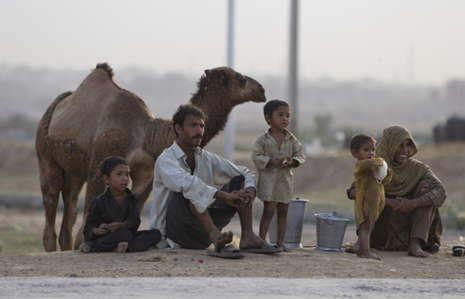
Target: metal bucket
x=330, y=231
x=295, y=223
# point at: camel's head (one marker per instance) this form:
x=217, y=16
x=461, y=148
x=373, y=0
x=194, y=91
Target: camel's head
x=233, y=86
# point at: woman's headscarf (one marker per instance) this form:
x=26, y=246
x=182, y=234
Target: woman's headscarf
x=407, y=175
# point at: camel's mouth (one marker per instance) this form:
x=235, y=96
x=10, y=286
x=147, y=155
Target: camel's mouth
x=260, y=98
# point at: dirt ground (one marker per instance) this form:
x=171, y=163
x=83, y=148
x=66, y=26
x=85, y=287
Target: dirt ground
x=301, y=263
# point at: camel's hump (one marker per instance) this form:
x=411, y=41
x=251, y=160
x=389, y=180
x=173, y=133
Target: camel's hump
x=105, y=66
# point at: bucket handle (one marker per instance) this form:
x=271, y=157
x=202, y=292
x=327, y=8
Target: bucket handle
x=330, y=216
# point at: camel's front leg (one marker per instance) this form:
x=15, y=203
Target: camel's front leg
x=71, y=189
x=50, y=184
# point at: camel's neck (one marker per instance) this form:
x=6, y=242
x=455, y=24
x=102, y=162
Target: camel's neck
x=217, y=110
x=159, y=135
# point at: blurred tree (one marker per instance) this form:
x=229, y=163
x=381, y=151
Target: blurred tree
x=323, y=129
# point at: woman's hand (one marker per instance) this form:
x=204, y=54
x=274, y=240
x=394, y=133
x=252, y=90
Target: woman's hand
x=392, y=202
x=406, y=206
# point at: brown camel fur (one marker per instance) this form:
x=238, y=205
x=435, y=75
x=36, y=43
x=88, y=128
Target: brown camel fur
x=100, y=119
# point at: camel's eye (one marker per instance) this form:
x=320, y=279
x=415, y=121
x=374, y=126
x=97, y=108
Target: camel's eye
x=242, y=82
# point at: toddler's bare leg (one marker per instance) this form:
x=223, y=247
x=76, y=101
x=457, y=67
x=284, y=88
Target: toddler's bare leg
x=364, y=234
x=282, y=209
x=268, y=213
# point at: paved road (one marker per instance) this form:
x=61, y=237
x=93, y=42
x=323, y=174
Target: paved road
x=318, y=287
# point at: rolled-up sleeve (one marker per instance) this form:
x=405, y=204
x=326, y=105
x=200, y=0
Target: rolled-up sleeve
x=438, y=193
x=298, y=154
x=192, y=187
x=259, y=156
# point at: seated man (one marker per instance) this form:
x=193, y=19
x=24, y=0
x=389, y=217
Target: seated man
x=187, y=208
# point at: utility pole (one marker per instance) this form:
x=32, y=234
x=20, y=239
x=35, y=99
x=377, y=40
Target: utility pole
x=229, y=131
x=293, y=45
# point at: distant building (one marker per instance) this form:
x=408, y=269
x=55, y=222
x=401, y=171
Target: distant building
x=455, y=93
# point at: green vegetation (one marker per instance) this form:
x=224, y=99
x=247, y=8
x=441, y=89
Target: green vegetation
x=16, y=240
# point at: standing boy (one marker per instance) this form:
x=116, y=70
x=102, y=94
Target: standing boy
x=275, y=153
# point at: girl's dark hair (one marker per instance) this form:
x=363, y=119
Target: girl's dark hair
x=182, y=112
x=357, y=140
x=272, y=105
x=110, y=163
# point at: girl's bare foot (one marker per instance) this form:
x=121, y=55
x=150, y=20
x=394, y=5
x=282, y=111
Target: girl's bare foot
x=84, y=248
x=122, y=247
x=368, y=255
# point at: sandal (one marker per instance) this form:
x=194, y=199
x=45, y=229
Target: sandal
x=458, y=250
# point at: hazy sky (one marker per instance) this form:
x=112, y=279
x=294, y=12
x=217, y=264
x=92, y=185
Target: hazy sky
x=392, y=40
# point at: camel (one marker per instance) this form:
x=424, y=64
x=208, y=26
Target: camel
x=99, y=119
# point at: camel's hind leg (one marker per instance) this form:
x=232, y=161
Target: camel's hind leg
x=50, y=183
x=71, y=188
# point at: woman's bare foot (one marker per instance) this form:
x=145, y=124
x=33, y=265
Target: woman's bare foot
x=285, y=248
x=122, y=247
x=221, y=240
x=415, y=249
x=84, y=248
x=368, y=255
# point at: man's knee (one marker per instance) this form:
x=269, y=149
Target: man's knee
x=236, y=183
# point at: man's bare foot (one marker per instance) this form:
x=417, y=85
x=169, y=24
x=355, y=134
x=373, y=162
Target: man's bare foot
x=415, y=249
x=285, y=248
x=122, y=247
x=368, y=255
x=84, y=248
x=251, y=241
x=222, y=239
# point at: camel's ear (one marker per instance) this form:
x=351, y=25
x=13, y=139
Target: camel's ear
x=224, y=76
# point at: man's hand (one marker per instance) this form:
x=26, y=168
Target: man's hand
x=231, y=199
x=248, y=195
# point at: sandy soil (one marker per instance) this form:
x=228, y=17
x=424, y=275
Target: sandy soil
x=303, y=263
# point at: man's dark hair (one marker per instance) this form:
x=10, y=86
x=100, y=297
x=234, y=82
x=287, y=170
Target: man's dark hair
x=110, y=163
x=182, y=112
x=357, y=140
x=272, y=105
